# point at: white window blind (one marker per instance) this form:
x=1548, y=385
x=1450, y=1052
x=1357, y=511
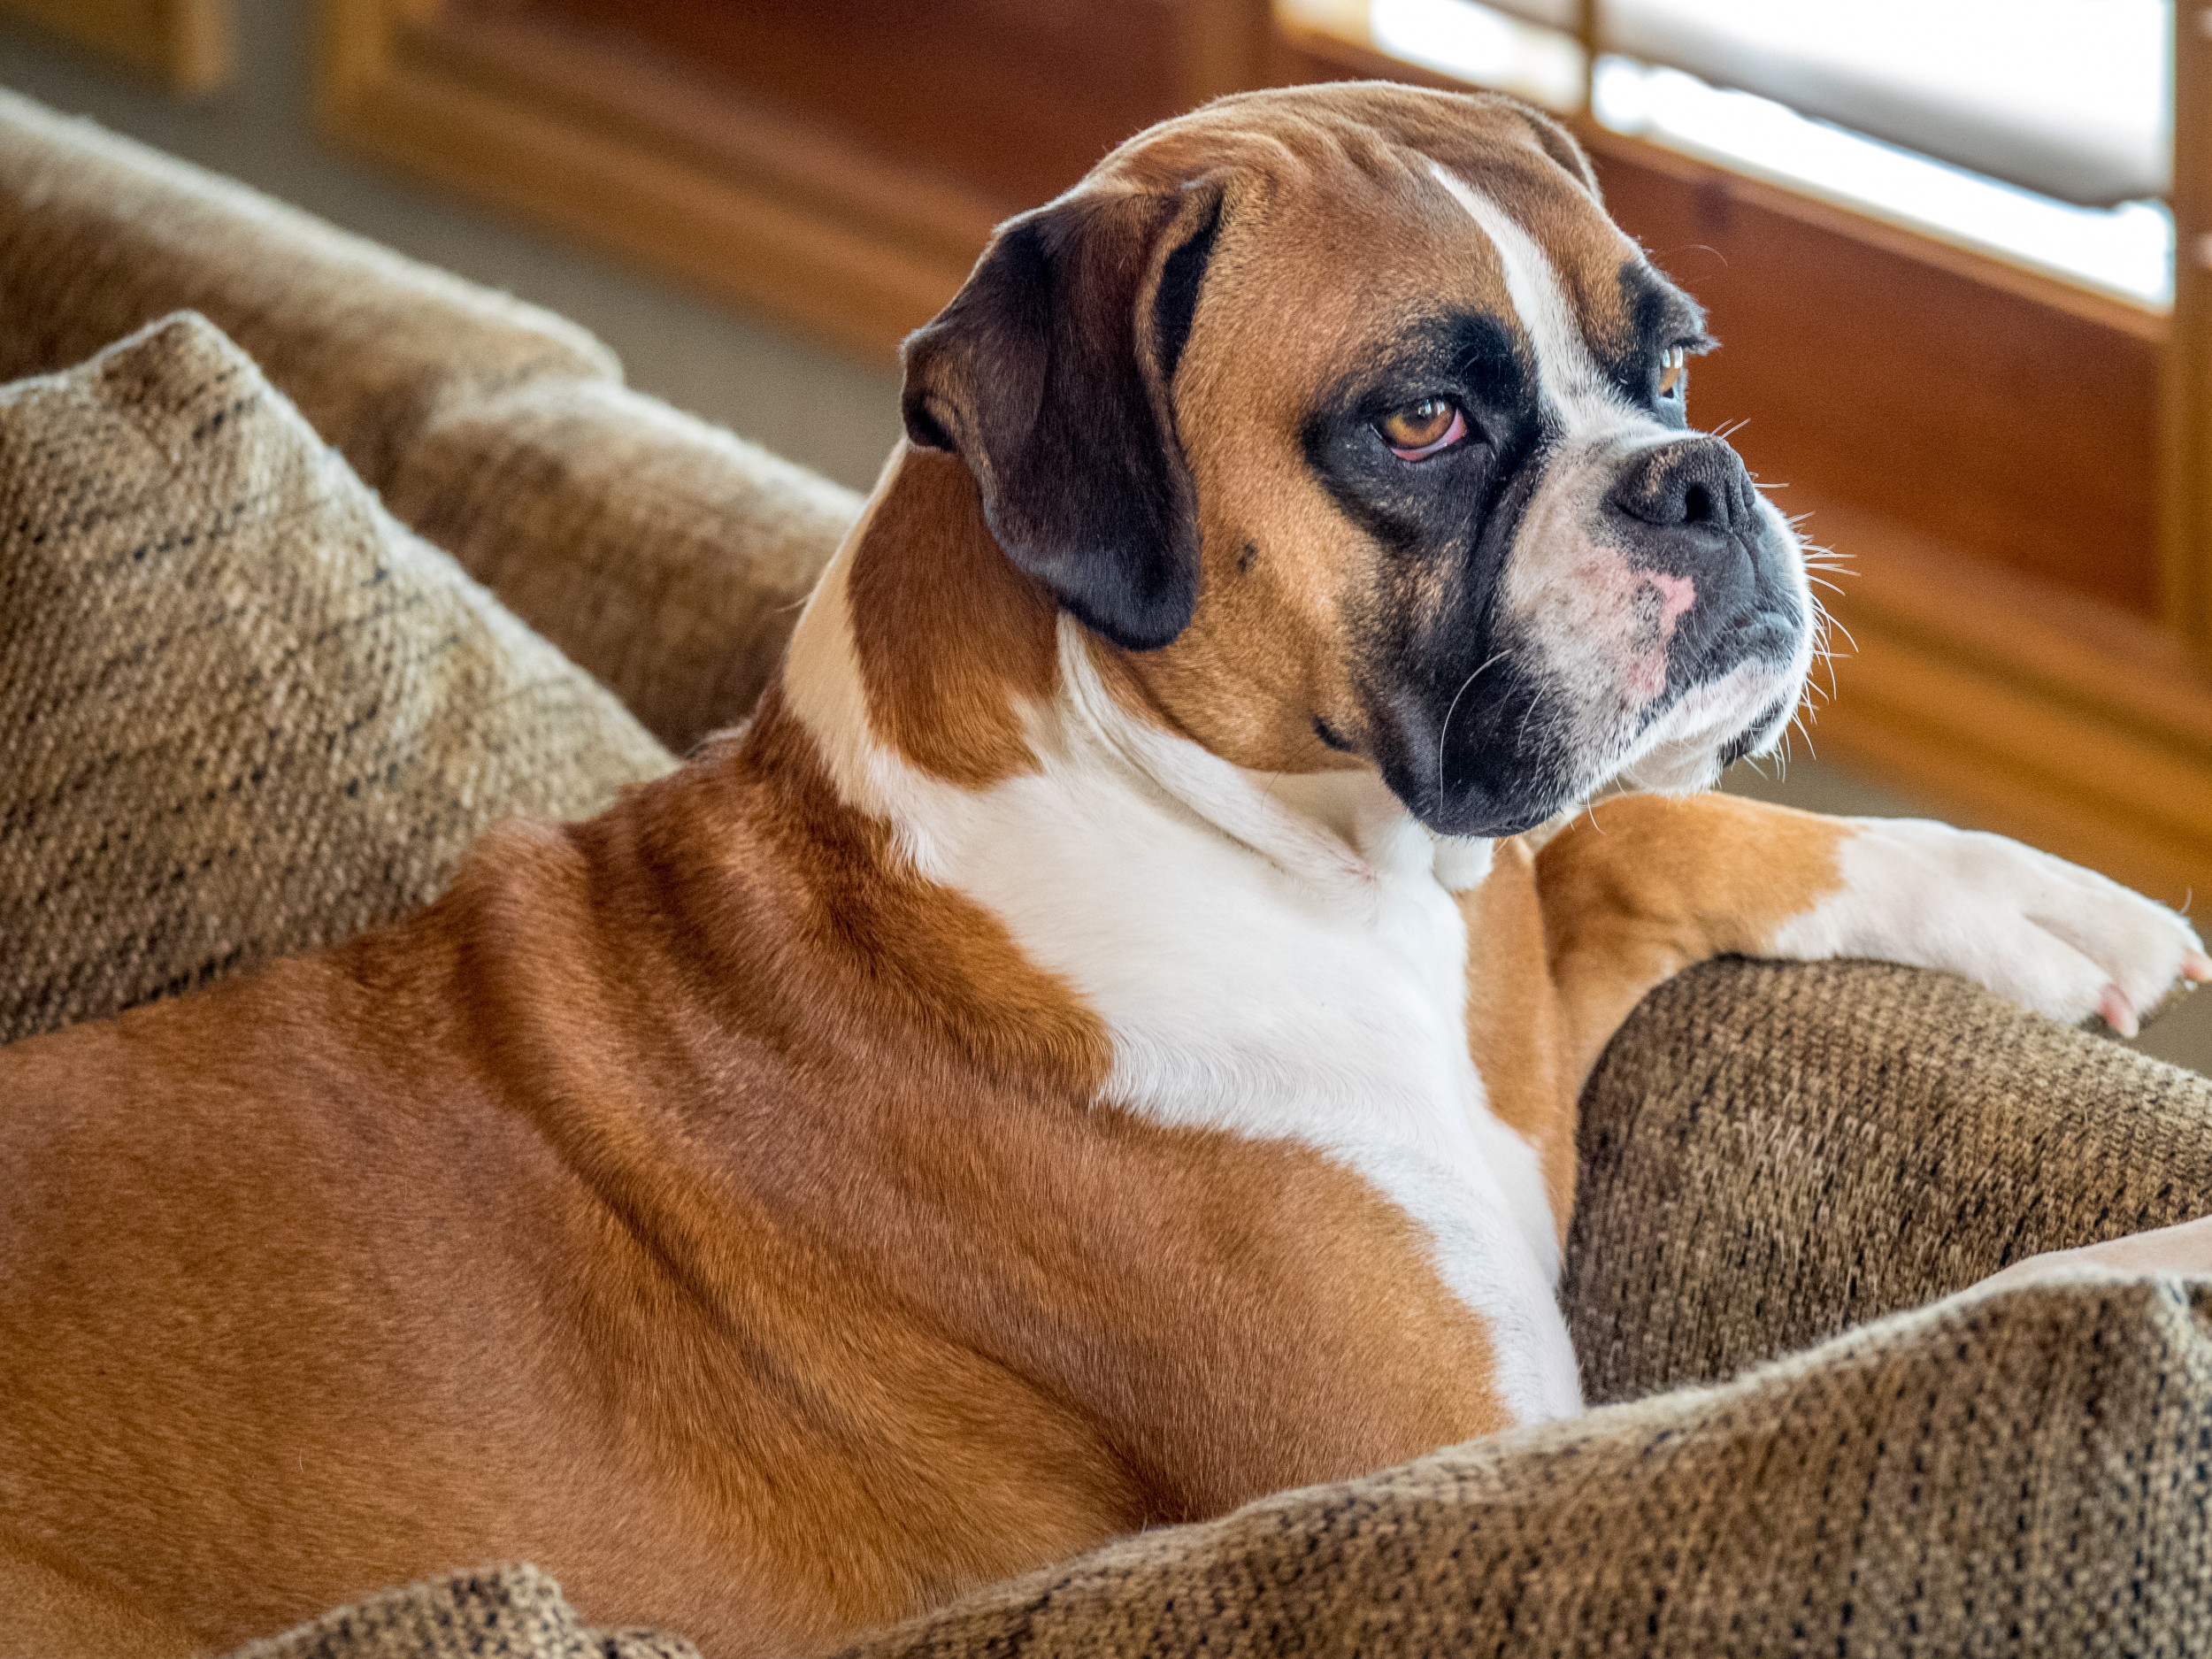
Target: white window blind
x=2037, y=129
x=2066, y=97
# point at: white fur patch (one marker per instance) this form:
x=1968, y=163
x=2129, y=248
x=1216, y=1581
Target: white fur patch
x=1281, y=963
x=1580, y=396
x=2048, y=934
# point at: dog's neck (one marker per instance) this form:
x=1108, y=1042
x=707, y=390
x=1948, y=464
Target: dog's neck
x=1279, y=958
x=933, y=675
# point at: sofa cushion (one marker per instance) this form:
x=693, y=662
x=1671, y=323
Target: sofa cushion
x=505, y=1612
x=2018, y=1470
x=664, y=555
x=2010, y=1471
x=242, y=712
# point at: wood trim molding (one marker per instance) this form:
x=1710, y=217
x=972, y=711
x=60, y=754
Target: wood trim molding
x=185, y=43
x=736, y=202
x=1310, y=53
x=2010, y=705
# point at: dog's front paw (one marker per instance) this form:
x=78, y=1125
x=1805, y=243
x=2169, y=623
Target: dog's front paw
x=2061, y=940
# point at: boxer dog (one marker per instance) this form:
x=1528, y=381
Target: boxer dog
x=1101, y=1044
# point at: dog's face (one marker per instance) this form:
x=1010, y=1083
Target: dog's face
x=1348, y=415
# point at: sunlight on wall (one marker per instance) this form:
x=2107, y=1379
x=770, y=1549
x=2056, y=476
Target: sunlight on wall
x=1478, y=43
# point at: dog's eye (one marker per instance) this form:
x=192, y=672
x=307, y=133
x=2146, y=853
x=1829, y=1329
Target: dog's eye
x=1422, y=429
x=1674, y=371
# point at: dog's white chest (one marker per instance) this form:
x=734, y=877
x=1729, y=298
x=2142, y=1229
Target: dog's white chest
x=1256, y=1000
x=1259, y=976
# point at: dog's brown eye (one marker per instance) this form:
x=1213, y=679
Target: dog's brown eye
x=1423, y=428
x=1674, y=371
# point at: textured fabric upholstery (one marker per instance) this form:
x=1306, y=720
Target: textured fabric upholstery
x=99, y=236
x=666, y=557
x=504, y=1612
x=1774, y=1153
x=662, y=555
x=2012, y=1472
x=242, y=712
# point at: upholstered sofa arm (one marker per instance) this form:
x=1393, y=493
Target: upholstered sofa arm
x=2016, y=1471
x=100, y=236
x=1773, y=1153
x=664, y=555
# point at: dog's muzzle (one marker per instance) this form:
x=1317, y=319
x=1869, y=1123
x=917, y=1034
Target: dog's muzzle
x=1688, y=513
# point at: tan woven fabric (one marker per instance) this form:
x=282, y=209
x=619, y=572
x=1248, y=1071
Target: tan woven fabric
x=662, y=554
x=243, y=713
x=2019, y=1472
x=1772, y=1154
x=512, y=1612
x=100, y=236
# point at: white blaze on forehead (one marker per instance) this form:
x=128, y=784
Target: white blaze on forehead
x=1569, y=385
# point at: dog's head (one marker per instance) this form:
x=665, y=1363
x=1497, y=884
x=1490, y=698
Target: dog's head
x=1347, y=415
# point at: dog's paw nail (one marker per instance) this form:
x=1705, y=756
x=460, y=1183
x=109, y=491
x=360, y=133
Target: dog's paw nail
x=2117, y=1011
x=2196, y=968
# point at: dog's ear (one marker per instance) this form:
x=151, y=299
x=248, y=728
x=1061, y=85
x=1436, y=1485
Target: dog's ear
x=1049, y=374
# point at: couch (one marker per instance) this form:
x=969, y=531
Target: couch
x=332, y=559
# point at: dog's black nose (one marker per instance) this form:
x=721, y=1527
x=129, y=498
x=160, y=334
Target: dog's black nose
x=1696, y=489
x=1717, y=570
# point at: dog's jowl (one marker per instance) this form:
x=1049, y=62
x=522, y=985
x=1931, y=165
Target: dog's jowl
x=1099, y=1046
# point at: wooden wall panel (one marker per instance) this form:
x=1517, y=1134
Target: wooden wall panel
x=2001, y=414
x=1014, y=99
x=666, y=168
x=2186, y=453
x=2007, y=703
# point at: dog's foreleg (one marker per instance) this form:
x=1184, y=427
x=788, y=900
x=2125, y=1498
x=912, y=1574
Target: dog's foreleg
x=1642, y=887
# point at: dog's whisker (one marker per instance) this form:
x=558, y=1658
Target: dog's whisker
x=1444, y=731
